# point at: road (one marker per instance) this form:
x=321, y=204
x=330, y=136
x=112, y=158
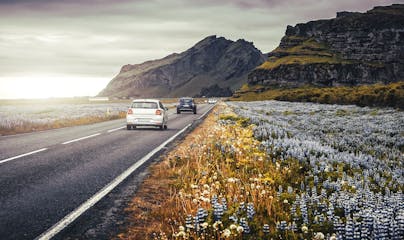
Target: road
x=46, y=175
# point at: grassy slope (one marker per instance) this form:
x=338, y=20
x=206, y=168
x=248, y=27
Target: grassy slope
x=307, y=52
x=391, y=95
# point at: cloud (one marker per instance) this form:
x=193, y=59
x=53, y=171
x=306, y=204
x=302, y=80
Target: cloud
x=97, y=37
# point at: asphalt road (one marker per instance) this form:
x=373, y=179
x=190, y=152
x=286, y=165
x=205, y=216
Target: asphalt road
x=46, y=175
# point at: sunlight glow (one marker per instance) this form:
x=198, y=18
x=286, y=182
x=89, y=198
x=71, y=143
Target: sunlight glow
x=47, y=86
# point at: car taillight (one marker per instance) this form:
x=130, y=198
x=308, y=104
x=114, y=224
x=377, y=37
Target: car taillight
x=130, y=111
x=158, y=112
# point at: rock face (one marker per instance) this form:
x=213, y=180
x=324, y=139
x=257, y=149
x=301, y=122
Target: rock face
x=212, y=61
x=351, y=49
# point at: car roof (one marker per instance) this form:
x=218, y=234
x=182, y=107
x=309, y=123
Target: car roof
x=146, y=100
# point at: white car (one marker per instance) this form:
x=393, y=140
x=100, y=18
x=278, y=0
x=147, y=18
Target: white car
x=146, y=112
x=212, y=101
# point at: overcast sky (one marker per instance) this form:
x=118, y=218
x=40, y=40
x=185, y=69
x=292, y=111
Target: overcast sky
x=84, y=43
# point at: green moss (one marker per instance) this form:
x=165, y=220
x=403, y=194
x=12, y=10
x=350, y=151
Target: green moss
x=308, y=47
x=306, y=59
x=307, y=52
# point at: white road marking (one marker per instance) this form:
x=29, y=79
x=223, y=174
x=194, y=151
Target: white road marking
x=203, y=115
x=68, y=219
x=115, y=129
x=82, y=138
x=22, y=155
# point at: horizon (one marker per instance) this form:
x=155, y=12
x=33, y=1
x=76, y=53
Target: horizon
x=55, y=49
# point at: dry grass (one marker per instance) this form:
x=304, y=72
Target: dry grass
x=28, y=126
x=218, y=160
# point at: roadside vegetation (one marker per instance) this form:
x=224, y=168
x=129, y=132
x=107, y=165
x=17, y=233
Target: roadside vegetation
x=277, y=170
x=29, y=116
x=376, y=95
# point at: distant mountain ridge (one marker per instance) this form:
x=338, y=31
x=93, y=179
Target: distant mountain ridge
x=214, y=63
x=351, y=49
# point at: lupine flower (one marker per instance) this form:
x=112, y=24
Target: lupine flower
x=244, y=224
x=250, y=211
x=265, y=229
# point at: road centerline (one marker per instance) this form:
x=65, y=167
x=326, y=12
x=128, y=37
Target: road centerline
x=115, y=129
x=82, y=138
x=22, y=155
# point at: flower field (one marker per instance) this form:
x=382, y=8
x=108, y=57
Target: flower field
x=353, y=166
x=20, y=118
x=279, y=170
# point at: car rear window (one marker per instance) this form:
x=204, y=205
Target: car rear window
x=147, y=105
x=186, y=100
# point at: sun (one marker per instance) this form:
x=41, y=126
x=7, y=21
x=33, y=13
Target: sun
x=47, y=86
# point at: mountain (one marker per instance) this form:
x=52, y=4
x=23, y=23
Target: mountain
x=351, y=49
x=214, y=64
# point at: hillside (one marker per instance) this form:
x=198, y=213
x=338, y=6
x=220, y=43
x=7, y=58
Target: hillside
x=212, y=63
x=351, y=49
x=373, y=95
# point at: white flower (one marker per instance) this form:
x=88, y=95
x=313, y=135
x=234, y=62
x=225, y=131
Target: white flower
x=233, y=226
x=226, y=233
x=204, y=225
x=204, y=199
x=240, y=229
x=182, y=228
x=181, y=234
x=206, y=192
x=305, y=229
x=319, y=236
x=285, y=201
x=217, y=224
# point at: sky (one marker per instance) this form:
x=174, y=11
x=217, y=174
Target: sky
x=55, y=48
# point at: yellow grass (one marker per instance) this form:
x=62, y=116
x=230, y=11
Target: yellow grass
x=219, y=158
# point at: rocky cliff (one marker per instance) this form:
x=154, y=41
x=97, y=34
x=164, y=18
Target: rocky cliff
x=351, y=49
x=213, y=63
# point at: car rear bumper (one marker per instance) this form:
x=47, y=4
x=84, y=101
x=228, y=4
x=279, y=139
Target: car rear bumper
x=188, y=109
x=155, y=121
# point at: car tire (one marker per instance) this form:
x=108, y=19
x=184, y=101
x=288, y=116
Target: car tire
x=178, y=112
x=128, y=127
x=195, y=111
x=165, y=127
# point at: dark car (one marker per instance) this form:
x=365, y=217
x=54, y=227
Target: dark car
x=186, y=104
